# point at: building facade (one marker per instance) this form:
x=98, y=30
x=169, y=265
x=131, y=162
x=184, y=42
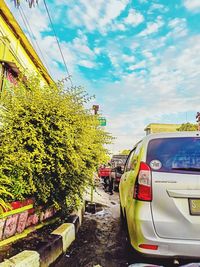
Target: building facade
x=16, y=52
x=18, y=56
x=161, y=127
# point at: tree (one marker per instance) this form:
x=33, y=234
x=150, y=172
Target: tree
x=50, y=144
x=124, y=152
x=187, y=127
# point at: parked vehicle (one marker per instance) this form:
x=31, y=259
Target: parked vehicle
x=116, y=174
x=104, y=172
x=118, y=160
x=117, y=163
x=160, y=195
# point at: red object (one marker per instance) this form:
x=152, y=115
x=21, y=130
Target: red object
x=148, y=246
x=16, y=205
x=143, y=185
x=19, y=204
x=104, y=172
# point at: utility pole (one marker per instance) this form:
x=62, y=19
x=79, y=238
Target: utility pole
x=91, y=206
x=198, y=120
x=96, y=109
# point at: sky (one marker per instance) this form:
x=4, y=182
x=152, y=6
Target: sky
x=140, y=58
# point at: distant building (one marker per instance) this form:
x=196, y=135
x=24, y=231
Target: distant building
x=161, y=127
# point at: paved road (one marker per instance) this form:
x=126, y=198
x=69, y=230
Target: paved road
x=101, y=241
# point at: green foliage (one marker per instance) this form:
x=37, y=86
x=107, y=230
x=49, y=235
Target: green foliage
x=50, y=144
x=187, y=127
x=124, y=152
x=5, y=189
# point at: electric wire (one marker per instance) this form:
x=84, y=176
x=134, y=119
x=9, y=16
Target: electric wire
x=51, y=22
x=32, y=37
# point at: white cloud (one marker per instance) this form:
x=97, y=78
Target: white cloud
x=128, y=58
x=143, y=1
x=158, y=7
x=96, y=14
x=80, y=44
x=192, y=5
x=116, y=26
x=175, y=22
x=139, y=65
x=149, y=55
x=97, y=50
x=178, y=28
x=87, y=64
x=170, y=88
x=113, y=59
x=134, y=18
x=152, y=27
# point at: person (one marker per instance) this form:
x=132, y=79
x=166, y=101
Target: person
x=111, y=180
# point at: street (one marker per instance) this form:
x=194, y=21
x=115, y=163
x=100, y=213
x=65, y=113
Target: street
x=101, y=241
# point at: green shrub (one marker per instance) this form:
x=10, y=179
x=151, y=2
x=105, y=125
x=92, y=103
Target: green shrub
x=187, y=127
x=50, y=144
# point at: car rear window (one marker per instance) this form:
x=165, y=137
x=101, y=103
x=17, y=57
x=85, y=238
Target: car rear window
x=180, y=155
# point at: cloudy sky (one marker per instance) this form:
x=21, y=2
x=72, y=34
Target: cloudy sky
x=140, y=58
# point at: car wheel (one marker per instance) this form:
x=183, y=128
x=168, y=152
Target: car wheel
x=116, y=188
x=122, y=219
x=130, y=252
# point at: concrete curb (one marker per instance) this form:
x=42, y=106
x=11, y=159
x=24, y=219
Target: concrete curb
x=57, y=243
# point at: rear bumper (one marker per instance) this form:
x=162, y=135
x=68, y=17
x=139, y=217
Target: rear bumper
x=143, y=232
x=171, y=248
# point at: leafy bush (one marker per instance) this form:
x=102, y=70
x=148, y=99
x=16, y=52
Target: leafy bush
x=187, y=127
x=50, y=144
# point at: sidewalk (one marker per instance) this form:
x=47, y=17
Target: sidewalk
x=99, y=196
x=42, y=247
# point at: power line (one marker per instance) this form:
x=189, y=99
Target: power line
x=31, y=34
x=58, y=43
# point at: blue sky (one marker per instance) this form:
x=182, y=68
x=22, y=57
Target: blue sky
x=140, y=58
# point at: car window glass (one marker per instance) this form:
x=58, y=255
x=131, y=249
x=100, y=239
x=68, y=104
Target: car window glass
x=129, y=161
x=174, y=154
x=135, y=156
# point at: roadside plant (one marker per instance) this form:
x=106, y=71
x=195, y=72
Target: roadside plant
x=50, y=144
x=187, y=127
x=5, y=188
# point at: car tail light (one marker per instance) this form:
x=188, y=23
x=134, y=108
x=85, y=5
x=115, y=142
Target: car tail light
x=148, y=246
x=143, y=185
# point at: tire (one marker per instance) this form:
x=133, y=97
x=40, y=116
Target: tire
x=106, y=183
x=131, y=253
x=122, y=219
x=116, y=187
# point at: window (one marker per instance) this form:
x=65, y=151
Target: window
x=136, y=155
x=9, y=73
x=129, y=160
x=181, y=154
x=133, y=158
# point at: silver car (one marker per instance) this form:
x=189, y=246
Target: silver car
x=160, y=195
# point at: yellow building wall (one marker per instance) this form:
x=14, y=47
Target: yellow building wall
x=160, y=128
x=15, y=47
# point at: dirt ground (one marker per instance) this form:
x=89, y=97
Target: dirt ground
x=101, y=241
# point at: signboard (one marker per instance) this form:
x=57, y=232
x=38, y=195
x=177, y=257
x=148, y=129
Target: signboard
x=102, y=121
